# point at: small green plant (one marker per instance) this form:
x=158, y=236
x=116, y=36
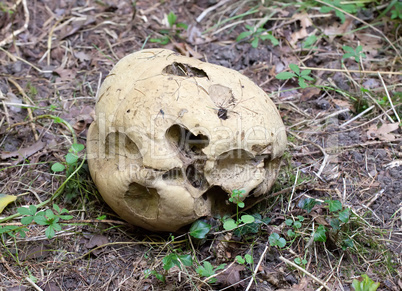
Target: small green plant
x=71, y=159
x=254, y=227
x=365, y=284
x=350, y=52
x=174, y=29
x=6, y=9
x=255, y=35
x=320, y=233
x=32, y=91
x=13, y=230
x=207, y=270
x=247, y=259
x=301, y=262
x=48, y=217
x=199, y=229
x=301, y=75
x=347, y=7
x=310, y=41
x=73, y=187
x=308, y=204
x=237, y=198
x=337, y=218
x=171, y=260
x=276, y=241
x=159, y=276
x=396, y=13
x=297, y=224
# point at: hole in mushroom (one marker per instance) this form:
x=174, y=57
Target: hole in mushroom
x=187, y=142
x=196, y=178
x=179, y=69
x=234, y=157
x=145, y=200
x=219, y=200
x=119, y=144
x=175, y=174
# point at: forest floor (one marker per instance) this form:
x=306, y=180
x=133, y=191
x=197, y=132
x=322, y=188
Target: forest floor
x=344, y=145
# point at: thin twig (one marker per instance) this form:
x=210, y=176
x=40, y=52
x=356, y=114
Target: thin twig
x=357, y=116
x=11, y=37
x=212, y=8
x=33, y=284
x=29, y=110
x=326, y=156
x=389, y=98
x=353, y=71
x=305, y=272
x=257, y=267
x=293, y=189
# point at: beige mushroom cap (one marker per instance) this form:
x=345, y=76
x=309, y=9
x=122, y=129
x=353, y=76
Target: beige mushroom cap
x=173, y=135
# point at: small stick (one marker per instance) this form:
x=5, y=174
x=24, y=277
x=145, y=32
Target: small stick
x=11, y=37
x=33, y=284
x=212, y=8
x=26, y=99
x=305, y=272
x=293, y=189
x=256, y=268
x=352, y=71
x=389, y=98
x=357, y=116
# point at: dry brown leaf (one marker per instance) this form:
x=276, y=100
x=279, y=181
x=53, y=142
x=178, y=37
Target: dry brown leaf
x=23, y=153
x=384, y=132
x=308, y=93
x=303, y=285
x=319, y=219
x=35, y=252
x=231, y=276
x=335, y=28
x=65, y=73
x=371, y=44
x=11, y=98
x=82, y=56
x=75, y=25
x=96, y=240
x=342, y=103
x=186, y=50
x=305, y=22
x=222, y=247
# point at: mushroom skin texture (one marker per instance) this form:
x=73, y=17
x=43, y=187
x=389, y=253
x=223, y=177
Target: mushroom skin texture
x=173, y=137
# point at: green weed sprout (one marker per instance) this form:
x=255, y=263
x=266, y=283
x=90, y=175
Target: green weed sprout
x=199, y=229
x=71, y=159
x=276, y=241
x=350, y=8
x=207, y=270
x=237, y=198
x=356, y=54
x=396, y=13
x=174, y=26
x=302, y=76
x=171, y=260
x=48, y=217
x=365, y=285
x=256, y=34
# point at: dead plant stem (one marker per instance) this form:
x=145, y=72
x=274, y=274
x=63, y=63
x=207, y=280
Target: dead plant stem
x=305, y=272
x=352, y=71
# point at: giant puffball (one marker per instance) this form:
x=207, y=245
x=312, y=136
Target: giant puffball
x=174, y=137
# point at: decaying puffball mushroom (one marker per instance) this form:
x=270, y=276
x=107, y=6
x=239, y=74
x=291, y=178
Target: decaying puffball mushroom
x=174, y=136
